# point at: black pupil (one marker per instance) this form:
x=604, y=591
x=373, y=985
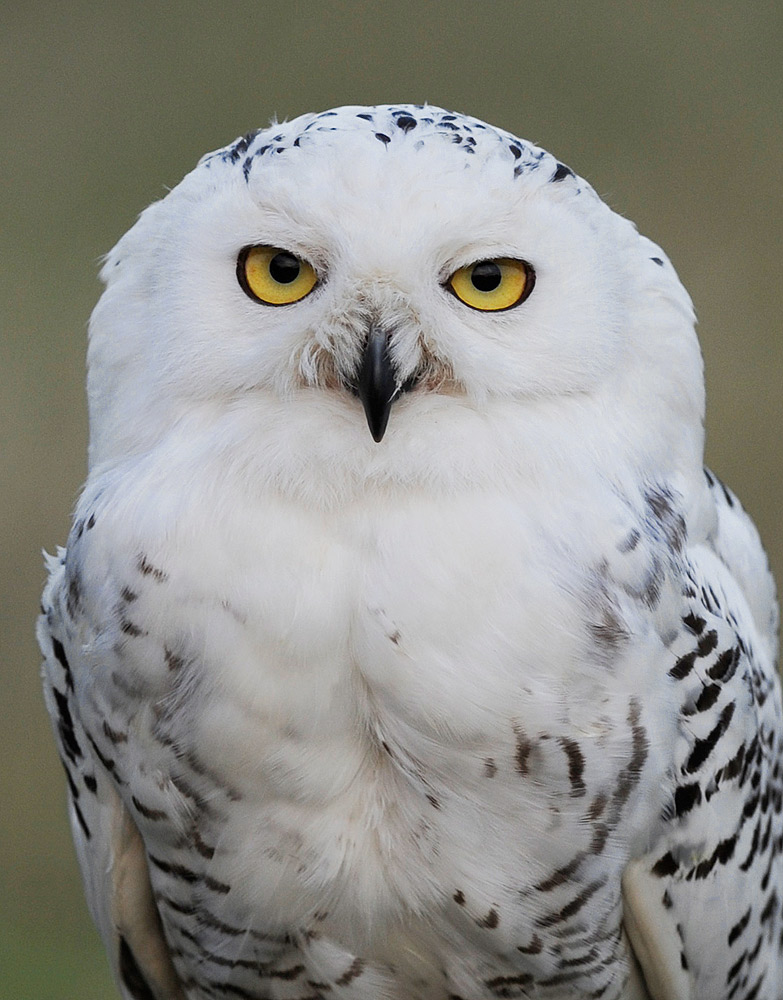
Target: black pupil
x=486, y=276
x=284, y=268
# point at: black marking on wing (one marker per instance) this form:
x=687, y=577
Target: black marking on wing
x=665, y=865
x=709, y=695
x=114, y=735
x=131, y=975
x=74, y=801
x=686, y=797
x=147, y=811
x=683, y=666
x=59, y=653
x=65, y=727
x=188, y=875
x=694, y=623
x=228, y=989
x=107, y=762
x=725, y=666
x=707, y=643
x=501, y=986
x=204, y=849
x=703, y=748
x=722, y=853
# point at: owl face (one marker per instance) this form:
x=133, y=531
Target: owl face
x=376, y=260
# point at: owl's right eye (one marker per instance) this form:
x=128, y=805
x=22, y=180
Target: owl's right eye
x=273, y=276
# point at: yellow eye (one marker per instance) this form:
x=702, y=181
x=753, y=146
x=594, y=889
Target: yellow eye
x=273, y=276
x=492, y=285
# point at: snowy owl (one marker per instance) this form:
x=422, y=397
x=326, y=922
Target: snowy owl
x=402, y=648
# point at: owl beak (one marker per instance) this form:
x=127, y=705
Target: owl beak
x=376, y=383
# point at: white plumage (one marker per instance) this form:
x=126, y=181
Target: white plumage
x=477, y=704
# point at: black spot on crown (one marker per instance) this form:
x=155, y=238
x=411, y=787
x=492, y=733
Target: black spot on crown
x=406, y=123
x=562, y=172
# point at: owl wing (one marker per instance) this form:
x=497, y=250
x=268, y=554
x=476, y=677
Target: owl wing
x=108, y=844
x=703, y=905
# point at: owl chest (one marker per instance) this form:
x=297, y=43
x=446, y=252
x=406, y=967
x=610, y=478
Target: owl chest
x=396, y=713
x=386, y=702
x=406, y=623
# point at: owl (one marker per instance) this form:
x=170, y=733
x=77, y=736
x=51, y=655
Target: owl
x=402, y=648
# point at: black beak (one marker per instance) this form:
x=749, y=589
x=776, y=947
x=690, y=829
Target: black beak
x=376, y=382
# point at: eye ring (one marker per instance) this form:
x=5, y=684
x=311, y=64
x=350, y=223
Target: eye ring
x=493, y=284
x=274, y=276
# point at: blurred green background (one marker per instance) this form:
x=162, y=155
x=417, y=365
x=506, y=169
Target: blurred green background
x=673, y=111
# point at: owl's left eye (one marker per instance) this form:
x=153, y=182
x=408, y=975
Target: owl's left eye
x=493, y=285
x=273, y=276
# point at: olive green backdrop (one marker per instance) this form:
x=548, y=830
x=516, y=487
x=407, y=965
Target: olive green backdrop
x=673, y=111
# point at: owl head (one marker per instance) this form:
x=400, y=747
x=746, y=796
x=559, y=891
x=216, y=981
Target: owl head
x=376, y=282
